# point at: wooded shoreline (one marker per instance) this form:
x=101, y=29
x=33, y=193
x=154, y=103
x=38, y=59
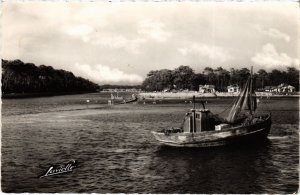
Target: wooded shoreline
x=21, y=79
x=33, y=95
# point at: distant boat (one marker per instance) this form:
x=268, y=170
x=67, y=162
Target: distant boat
x=201, y=128
x=129, y=101
x=124, y=101
x=117, y=97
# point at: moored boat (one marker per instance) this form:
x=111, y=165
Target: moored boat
x=201, y=128
x=116, y=97
x=123, y=101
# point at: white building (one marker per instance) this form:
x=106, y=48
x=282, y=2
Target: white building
x=207, y=89
x=233, y=88
x=280, y=88
x=271, y=88
x=285, y=88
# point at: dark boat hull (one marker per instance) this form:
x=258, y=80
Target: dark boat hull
x=129, y=101
x=243, y=134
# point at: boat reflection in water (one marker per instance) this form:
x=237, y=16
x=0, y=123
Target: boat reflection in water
x=201, y=128
x=216, y=170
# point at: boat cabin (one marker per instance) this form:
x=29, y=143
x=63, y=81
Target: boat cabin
x=198, y=120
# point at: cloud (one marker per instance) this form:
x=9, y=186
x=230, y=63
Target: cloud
x=184, y=51
x=269, y=57
x=149, y=37
x=120, y=42
x=146, y=30
x=105, y=74
x=272, y=32
x=83, y=31
x=110, y=40
x=211, y=52
x=153, y=30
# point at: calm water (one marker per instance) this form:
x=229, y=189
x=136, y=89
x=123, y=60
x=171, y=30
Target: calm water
x=117, y=153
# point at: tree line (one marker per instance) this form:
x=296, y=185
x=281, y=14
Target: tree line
x=108, y=86
x=185, y=77
x=20, y=77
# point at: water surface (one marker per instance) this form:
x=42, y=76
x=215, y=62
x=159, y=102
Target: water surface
x=117, y=153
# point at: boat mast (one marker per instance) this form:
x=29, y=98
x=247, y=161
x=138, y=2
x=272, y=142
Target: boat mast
x=194, y=102
x=194, y=117
x=251, y=88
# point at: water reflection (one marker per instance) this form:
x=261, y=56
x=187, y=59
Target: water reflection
x=215, y=170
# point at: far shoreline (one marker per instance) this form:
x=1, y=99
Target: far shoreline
x=37, y=95
x=189, y=95
x=145, y=95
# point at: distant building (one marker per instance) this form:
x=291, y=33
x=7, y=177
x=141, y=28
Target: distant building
x=133, y=90
x=280, y=88
x=122, y=90
x=233, y=88
x=270, y=88
x=285, y=88
x=114, y=90
x=207, y=89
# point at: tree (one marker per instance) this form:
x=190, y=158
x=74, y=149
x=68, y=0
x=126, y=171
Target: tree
x=209, y=75
x=183, y=77
x=293, y=77
x=276, y=77
x=158, y=80
x=165, y=79
x=207, y=71
x=222, y=78
x=243, y=75
x=262, y=75
x=198, y=79
x=18, y=77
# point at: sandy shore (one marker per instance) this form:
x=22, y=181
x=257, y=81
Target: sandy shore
x=187, y=95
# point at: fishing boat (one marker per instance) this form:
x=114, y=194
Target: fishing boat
x=201, y=128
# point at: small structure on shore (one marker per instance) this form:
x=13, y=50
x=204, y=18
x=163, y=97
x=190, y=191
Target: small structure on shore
x=270, y=88
x=207, y=89
x=233, y=88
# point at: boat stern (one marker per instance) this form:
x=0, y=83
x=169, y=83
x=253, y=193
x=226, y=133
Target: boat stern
x=172, y=139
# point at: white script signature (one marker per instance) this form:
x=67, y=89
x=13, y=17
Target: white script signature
x=55, y=170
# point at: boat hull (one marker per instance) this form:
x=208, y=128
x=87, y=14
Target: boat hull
x=243, y=134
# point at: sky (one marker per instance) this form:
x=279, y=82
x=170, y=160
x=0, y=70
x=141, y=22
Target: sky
x=119, y=43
